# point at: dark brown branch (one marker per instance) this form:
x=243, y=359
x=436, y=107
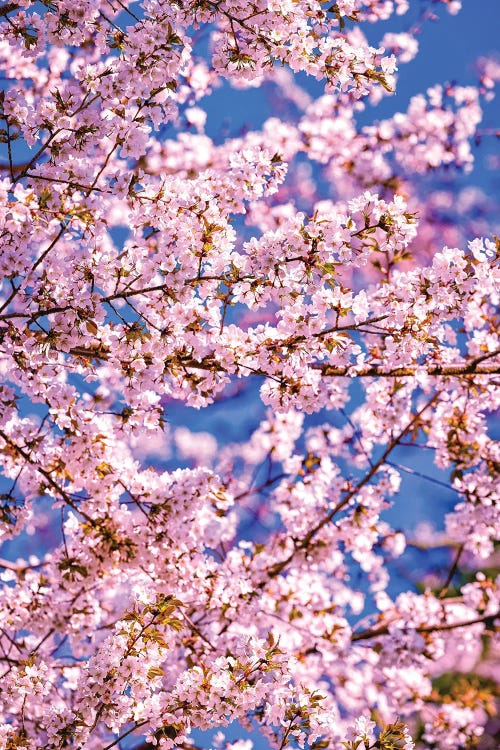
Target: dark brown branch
x=384, y=629
x=39, y=260
x=462, y=370
x=8, y=8
x=46, y=475
x=452, y=571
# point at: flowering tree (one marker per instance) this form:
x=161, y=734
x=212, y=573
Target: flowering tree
x=145, y=265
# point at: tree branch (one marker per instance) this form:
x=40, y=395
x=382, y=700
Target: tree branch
x=384, y=629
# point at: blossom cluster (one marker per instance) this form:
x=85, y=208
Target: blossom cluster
x=184, y=580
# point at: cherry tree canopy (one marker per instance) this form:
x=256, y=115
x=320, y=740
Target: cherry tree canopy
x=182, y=581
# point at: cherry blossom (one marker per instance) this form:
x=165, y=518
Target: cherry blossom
x=330, y=313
